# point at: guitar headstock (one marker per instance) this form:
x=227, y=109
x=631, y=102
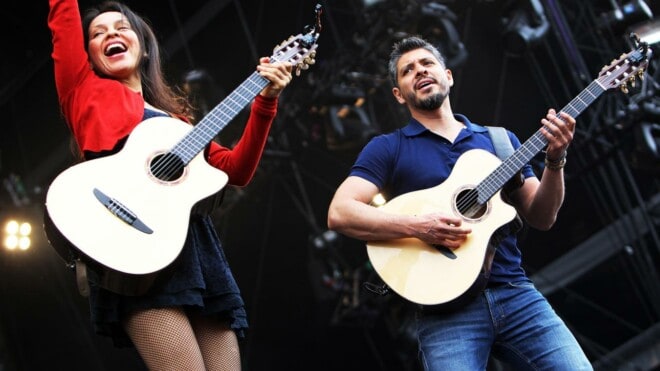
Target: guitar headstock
x=300, y=50
x=627, y=68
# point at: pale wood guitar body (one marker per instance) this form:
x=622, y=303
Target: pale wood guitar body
x=163, y=206
x=422, y=273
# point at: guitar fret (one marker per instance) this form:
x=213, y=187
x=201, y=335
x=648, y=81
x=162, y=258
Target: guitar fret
x=507, y=169
x=202, y=134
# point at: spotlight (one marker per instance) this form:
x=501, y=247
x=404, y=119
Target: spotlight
x=369, y=3
x=17, y=235
x=525, y=26
x=648, y=32
x=625, y=15
x=324, y=241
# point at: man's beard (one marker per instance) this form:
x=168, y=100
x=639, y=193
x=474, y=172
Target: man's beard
x=430, y=103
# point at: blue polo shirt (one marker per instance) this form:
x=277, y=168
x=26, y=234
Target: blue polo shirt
x=414, y=158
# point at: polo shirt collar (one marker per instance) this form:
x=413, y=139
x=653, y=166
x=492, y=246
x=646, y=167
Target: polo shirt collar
x=415, y=128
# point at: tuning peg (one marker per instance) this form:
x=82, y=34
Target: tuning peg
x=632, y=80
x=640, y=73
x=624, y=88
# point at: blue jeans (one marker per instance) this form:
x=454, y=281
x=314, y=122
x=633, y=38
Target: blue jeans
x=513, y=320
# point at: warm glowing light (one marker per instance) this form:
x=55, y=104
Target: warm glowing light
x=17, y=235
x=11, y=242
x=24, y=243
x=11, y=227
x=25, y=229
x=378, y=200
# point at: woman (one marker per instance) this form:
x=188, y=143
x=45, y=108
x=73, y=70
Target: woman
x=108, y=78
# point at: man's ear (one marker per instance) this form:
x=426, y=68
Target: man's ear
x=397, y=94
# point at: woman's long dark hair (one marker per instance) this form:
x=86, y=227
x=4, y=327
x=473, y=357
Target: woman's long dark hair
x=155, y=88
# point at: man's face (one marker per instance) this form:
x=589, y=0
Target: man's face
x=424, y=82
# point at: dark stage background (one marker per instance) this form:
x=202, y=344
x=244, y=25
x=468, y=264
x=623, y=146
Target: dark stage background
x=302, y=284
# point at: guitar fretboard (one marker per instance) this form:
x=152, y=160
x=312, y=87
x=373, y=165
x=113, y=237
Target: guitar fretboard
x=221, y=115
x=507, y=169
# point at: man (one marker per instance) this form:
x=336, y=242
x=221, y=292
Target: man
x=509, y=317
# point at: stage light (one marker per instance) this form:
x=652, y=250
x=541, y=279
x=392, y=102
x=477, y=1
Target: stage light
x=324, y=240
x=525, y=26
x=648, y=32
x=347, y=124
x=369, y=3
x=625, y=15
x=17, y=235
x=348, y=127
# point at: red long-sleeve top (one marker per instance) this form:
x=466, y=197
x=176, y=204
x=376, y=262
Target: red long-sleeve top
x=102, y=111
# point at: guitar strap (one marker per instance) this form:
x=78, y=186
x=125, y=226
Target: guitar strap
x=504, y=149
x=81, y=278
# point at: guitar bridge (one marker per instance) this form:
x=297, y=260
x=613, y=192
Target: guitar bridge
x=122, y=212
x=445, y=251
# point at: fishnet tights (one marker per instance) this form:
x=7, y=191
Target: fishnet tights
x=168, y=340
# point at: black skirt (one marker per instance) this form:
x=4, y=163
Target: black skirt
x=200, y=283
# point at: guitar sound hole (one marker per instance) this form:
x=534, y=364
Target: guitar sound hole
x=467, y=204
x=167, y=167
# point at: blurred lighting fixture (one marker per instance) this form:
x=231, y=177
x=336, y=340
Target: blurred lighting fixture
x=348, y=125
x=368, y=3
x=203, y=91
x=437, y=26
x=647, y=134
x=647, y=152
x=648, y=32
x=625, y=15
x=14, y=186
x=326, y=266
x=525, y=26
x=17, y=235
x=325, y=240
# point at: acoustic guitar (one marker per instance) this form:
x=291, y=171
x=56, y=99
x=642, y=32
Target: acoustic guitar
x=129, y=213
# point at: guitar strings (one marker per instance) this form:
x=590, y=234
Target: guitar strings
x=172, y=162
x=470, y=204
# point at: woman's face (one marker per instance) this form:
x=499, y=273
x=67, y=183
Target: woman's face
x=114, y=49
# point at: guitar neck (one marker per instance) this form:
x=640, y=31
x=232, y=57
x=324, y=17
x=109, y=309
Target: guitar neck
x=221, y=115
x=535, y=144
